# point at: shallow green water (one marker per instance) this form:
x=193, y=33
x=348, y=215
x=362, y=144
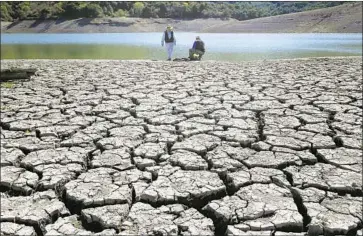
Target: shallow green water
x=123, y=52
x=65, y=51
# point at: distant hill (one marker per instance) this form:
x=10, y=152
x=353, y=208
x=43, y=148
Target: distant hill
x=346, y=18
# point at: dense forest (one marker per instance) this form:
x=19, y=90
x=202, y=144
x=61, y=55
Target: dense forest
x=13, y=11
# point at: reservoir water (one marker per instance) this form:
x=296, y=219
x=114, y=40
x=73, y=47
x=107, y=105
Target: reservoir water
x=225, y=47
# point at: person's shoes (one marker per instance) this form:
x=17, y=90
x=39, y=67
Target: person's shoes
x=169, y=59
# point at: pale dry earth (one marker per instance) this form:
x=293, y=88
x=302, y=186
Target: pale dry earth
x=346, y=18
x=92, y=147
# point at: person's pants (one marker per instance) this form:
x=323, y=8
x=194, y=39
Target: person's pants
x=195, y=51
x=169, y=49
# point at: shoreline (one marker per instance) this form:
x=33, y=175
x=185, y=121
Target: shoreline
x=203, y=61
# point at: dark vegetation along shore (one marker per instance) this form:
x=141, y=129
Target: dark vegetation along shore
x=191, y=10
x=241, y=17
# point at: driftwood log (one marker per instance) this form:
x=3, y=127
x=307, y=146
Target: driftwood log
x=185, y=59
x=182, y=59
x=17, y=74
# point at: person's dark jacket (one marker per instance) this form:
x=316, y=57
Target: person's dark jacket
x=199, y=45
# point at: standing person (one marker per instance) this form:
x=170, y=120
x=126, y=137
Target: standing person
x=170, y=41
x=198, y=49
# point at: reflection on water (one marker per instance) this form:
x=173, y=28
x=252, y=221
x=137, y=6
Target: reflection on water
x=226, y=47
x=122, y=52
x=64, y=51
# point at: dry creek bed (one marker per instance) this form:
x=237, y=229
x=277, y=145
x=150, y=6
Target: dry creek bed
x=178, y=148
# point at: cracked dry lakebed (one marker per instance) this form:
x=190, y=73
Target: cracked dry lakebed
x=99, y=147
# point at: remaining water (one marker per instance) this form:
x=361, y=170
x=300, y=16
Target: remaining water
x=228, y=47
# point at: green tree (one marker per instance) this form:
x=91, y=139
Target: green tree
x=179, y=10
x=162, y=10
x=138, y=8
x=92, y=10
x=45, y=13
x=107, y=8
x=24, y=10
x=121, y=13
x=5, y=15
x=58, y=10
x=72, y=10
x=149, y=12
x=187, y=9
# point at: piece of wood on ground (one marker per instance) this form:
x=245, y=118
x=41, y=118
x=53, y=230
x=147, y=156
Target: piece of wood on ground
x=17, y=74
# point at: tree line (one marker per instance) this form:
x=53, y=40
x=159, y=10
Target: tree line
x=13, y=11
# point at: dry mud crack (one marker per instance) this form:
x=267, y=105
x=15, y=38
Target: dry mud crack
x=178, y=148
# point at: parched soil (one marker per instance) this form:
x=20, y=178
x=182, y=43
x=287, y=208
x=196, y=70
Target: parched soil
x=346, y=18
x=99, y=147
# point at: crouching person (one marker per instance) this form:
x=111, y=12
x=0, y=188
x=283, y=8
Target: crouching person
x=198, y=50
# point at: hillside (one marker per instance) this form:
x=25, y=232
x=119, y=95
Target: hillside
x=14, y=11
x=346, y=18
